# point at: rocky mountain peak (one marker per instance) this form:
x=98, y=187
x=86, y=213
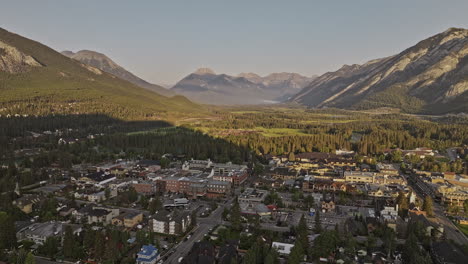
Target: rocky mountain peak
x=429, y=77
x=203, y=71
x=100, y=61
x=14, y=61
x=93, y=58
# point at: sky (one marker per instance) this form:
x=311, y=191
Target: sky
x=163, y=41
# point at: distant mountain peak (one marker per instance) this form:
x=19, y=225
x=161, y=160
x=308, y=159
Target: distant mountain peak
x=248, y=75
x=203, y=71
x=93, y=58
x=245, y=88
x=104, y=63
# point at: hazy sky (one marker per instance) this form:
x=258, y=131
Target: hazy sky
x=162, y=41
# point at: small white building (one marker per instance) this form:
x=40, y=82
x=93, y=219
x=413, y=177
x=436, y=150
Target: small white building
x=282, y=248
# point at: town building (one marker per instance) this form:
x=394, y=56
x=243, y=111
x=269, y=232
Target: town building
x=282, y=248
x=359, y=177
x=148, y=254
x=251, y=195
x=145, y=188
x=386, y=169
x=40, y=232
x=96, y=214
x=27, y=203
x=98, y=178
x=172, y=223
x=128, y=220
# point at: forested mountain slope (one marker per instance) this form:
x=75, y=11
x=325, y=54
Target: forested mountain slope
x=37, y=80
x=430, y=77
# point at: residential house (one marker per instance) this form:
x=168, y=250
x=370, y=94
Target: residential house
x=101, y=215
x=27, y=203
x=128, y=220
x=328, y=206
x=101, y=196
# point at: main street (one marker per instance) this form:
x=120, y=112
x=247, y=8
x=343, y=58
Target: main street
x=450, y=230
x=204, y=226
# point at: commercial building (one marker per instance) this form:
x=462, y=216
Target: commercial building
x=251, y=195
x=40, y=232
x=359, y=177
x=145, y=188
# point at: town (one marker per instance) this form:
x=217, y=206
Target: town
x=233, y=132
x=345, y=207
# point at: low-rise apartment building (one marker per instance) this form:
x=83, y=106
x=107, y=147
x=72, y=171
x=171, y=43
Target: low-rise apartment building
x=172, y=223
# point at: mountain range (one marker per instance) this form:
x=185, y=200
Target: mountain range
x=37, y=80
x=429, y=77
x=205, y=86
x=104, y=63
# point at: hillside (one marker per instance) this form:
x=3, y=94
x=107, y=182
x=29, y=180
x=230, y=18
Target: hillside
x=47, y=82
x=104, y=63
x=205, y=86
x=430, y=77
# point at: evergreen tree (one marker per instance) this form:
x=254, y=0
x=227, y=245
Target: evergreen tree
x=236, y=216
x=465, y=205
x=318, y=222
x=403, y=206
x=50, y=247
x=297, y=253
x=272, y=257
x=428, y=206
x=309, y=201
x=89, y=238
x=155, y=205
x=194, y=218
x=99, y=245
x=324, y=245
x=69, y=244
x=21, y=256
x=30, y=259
x=107, y=193
x=7, y=231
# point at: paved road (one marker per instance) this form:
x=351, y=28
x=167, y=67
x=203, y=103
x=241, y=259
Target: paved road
x=204, y=225
x=451, y=231
x=42, y=260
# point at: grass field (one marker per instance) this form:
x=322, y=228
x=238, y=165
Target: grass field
x=463, y=228
x=278, y=132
